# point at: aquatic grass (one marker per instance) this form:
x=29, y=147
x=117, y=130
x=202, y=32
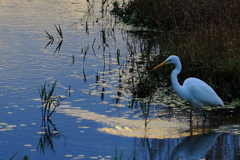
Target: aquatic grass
x=116, y=154
x=73, y=59
x=69, y=91
x=103, y=36
x=118, y=56
x=120, y=156
x=93, y=46
x=104, y=6
x=97, y=78
x=84, y=75
x=24, y=158
x=51, y=38
x=87, y=29
x=85, y=50
x=49, y=101
x=89, y=5
x=14, y=155
x=145, y=107
x=59, y=30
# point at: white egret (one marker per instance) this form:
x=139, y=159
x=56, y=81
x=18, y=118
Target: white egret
x=193, y=90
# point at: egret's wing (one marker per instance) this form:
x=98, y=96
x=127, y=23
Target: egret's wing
x=202, y=92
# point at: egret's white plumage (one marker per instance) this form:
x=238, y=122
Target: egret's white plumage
x=193, y=90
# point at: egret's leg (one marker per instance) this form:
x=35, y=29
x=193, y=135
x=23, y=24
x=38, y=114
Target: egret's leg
x=191, y=115
x=205, y=117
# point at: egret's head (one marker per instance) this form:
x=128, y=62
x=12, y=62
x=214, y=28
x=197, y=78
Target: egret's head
x=171, y=59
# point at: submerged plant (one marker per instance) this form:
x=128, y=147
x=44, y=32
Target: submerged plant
x=49, y=101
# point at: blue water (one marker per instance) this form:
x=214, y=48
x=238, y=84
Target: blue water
x=25, y=65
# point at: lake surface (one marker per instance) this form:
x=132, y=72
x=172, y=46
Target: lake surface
x=97, y=120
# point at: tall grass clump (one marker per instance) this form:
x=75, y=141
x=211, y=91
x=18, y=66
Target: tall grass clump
x=49, y=101
x=204, y=34
x=179, y=15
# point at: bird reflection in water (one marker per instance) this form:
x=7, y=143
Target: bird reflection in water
x=195, y=147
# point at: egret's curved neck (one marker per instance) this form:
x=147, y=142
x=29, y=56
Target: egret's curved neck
x=177, y=87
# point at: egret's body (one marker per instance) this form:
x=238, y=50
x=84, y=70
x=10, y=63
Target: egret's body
x=193, y=90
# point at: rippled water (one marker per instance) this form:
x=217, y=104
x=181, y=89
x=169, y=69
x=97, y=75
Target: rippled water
x=95, y=122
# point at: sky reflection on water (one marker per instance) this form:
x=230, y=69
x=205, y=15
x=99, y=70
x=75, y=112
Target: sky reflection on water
x=25, y=65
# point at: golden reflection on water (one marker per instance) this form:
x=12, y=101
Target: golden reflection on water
x=156, y=128
x=129, y=127
x=6, y=127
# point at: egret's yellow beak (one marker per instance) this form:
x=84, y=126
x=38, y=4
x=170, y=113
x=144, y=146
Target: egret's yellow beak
x=161, y=64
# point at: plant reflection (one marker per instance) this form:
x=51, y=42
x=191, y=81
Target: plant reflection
x=58, y=46
x=73, y=59
x=51, y=39
x=145, y=107
x=48, y=133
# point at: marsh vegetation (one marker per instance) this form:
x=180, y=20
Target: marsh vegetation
x=204, y=34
